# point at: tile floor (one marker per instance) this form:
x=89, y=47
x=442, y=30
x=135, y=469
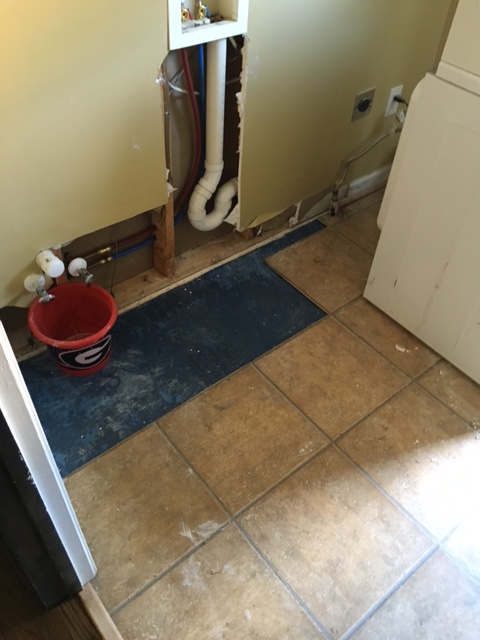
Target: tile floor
x=328, y=489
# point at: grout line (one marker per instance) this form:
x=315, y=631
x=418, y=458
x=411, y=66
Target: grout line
x=451, y=410
x=345, y=304
x=237, y=514
x=391, y=398
x=231, y=519
x=355, y=244
x=139, y=592
x=202, y=543
x=362, y=340
x=463, y=567
x=194, y=471
x=241, y=512
x=329, y=438
x=393, y=589
x=292, y=403
x=284, y=582
x=430, y=536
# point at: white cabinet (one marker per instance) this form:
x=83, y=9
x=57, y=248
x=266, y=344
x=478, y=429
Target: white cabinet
x=426, y=270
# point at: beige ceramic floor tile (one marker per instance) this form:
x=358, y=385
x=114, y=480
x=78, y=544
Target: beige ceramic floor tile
x=223, y=591
x=456, y=390
x=326, y=267
x=335, y=539
x=439, y=602
x=361, y=228
x=140, y=509
x=332, y=376
x=242, y=436
x=386, y=336
x=464, y=543
x=422, y=455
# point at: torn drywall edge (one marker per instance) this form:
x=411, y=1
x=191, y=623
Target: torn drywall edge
x=235, y=216
x=162, y=79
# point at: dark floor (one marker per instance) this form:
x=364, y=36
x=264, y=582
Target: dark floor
x=327, y=489
x=22, y=617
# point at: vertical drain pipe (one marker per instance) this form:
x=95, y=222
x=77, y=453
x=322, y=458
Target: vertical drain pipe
x=207, y=185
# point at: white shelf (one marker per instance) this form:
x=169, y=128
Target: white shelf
x=234, y=22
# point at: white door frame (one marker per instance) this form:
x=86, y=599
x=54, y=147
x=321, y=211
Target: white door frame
x=24, y=424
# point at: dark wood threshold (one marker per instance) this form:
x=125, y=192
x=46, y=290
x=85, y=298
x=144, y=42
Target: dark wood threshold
x=22, y=617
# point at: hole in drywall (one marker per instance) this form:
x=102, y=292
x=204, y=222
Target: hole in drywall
x=182, y=133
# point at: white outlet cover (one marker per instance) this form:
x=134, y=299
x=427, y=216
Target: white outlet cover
x=392, y=106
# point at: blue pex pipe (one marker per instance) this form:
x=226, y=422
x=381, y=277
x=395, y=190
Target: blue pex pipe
x=203, y=104
x=125, y=252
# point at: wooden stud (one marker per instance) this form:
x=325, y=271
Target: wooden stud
x=164, y=246
x=163, y=217
x=247, y=234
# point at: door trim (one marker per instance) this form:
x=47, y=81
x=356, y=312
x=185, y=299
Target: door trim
x=21, y=417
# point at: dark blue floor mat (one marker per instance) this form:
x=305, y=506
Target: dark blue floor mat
x=167, y=351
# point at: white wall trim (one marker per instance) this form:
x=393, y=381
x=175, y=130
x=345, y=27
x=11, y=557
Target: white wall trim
x=22, y=419
x=355, y=188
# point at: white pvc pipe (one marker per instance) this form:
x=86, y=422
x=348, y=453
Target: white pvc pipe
x=207, y=185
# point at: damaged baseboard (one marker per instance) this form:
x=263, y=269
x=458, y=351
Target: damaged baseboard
x=369, y=181
x=352, y=191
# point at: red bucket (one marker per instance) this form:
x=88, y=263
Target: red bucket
x=76, y=327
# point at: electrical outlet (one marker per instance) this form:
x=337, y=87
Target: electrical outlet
x=363, y=103
x=392, y=106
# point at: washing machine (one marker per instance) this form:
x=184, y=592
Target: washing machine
x=426, y=269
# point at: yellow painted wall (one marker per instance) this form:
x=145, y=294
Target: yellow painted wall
x=304, y=66
x=81, y=122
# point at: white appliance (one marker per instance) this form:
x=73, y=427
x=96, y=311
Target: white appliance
x=426, y=270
